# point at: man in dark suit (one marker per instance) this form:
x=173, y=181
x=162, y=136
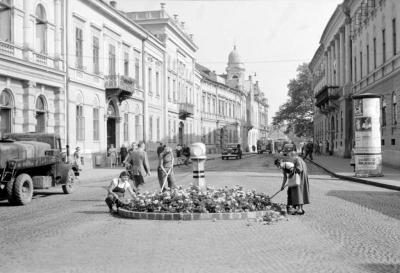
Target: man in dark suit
x=138, y=165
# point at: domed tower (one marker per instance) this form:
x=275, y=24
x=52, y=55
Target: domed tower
x=235, y=69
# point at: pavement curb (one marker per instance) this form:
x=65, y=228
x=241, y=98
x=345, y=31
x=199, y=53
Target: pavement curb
x=356, y=179
x=139, y=215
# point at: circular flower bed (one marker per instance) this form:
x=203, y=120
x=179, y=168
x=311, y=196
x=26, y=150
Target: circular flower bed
x=193, y=200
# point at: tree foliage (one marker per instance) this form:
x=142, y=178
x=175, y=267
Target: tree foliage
x=298, y=111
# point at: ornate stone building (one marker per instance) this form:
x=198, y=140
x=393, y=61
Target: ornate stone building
x=358, y=54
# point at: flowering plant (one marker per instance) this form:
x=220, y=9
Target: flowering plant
x=193, y=199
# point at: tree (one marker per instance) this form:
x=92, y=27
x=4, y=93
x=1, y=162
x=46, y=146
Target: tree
x=298, y=111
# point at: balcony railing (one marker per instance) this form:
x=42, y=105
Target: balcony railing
x=185, y=110
x=7, y=48
x=121, y=86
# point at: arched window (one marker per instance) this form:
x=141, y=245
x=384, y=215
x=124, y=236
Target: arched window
x=41, y=114
x=6, y=105
x=96, y=119
x=383, y=112
x=41, y=29
x=80, y=119
x=394, y=108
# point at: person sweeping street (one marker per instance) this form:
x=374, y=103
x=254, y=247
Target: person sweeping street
x=165, y=169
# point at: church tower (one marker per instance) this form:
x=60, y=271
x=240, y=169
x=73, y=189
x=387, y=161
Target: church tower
x=235, y=70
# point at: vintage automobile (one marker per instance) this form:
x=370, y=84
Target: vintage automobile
x=231, y=150
x=287, y=148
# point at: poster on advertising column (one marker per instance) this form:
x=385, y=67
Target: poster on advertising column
x=367, y=135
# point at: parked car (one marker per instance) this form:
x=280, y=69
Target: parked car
x=231, y=150
x=287, y=148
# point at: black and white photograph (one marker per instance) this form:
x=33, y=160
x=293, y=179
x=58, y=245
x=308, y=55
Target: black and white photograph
x=199, y=136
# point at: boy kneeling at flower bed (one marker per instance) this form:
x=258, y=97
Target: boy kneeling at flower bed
x=117, y=190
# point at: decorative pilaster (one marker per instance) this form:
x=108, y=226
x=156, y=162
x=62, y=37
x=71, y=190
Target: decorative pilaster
x=57, y=36
x=29, y=111
x=337, y=61
x=343, y=57
x=28, y=31
x=59, y=112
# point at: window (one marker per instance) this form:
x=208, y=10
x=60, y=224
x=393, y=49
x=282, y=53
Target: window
x=96, y=53
x=149, y=75
x=96, y=122
x=126, y=63
x=169, y=88
x=394, y=36
x=150, y=128
x=80, y=122
x=208, y=104
x=204, y=103
x=41, y=29
x=40, y=114
x=79, y=48
x=137, y=128
x=361, y=65
x=6, y=105
x=367, y=59
x=111, y=60
x=355, y=68
x=137, y=67
x=383, y=112
x=374, y=41
x=174, y=90
x=157, y=84
x=394, y=108
x=158, y=128
x=5, y=21
x=383, y=46
x=393, y=141
x=126, y=127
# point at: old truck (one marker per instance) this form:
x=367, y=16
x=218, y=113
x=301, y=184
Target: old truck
x=31, y=161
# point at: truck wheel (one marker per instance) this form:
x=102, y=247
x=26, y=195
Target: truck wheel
x=23, y=189
x=10, y=192
x=69, y=185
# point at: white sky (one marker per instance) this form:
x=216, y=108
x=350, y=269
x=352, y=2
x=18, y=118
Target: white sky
x=272, y=36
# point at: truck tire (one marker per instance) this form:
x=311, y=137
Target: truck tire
x=23, y=189
x=10, y=192
x=69, y=185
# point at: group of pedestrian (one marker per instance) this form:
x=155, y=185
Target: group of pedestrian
x=137, y=167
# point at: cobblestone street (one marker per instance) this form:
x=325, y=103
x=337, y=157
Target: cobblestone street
x=349, y=227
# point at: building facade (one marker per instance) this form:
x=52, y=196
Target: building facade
x=369, y=60
x=115, y=77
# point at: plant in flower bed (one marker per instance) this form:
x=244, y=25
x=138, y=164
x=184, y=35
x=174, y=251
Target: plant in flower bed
x=211, y=200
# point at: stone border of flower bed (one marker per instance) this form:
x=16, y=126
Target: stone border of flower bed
x=189, y=216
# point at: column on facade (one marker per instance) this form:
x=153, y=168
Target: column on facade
x=59, y=113
x=29, y=107
x=57, y=36
x=329, y=67
x=343, y=57
x=347, y=53
x=337, y=60
x=28, y=31
x=164, y=99
x=326, y=60
x=145, y=96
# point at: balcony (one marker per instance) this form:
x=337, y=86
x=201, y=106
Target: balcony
x=185, y=110
x=326, y=98
x=120, y=86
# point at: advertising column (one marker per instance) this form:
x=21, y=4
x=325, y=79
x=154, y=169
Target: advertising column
x=367, y=135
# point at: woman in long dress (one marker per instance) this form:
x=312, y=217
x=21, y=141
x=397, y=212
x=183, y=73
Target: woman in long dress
x=300, y=195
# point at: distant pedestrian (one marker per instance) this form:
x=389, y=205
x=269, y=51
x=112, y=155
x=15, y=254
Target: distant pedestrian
x=239, y=151
x=138, y=165
x=123, y=153
x=352, y=159
x=178, y=150
x=77, y=158
x=112, y=152
x=309, y=150
x=165, y=168
x=186, y=153
x=317, y=149
x=160, y=149
x=300, y=195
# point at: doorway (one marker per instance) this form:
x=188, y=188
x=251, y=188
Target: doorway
x=111, y=125
x=181, y=132
x=332, y=135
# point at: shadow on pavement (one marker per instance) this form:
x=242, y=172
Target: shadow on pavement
x=105, y=211
x=388, y=268
x=380, y=201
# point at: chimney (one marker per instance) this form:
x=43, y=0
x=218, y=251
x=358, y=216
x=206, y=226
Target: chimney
x=176, y=17
x=162, y=6
x=113, y=4
x=250, y=78
x=191, y=36
x=183, y=25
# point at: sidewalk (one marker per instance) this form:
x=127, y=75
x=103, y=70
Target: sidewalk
x=340, y=168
